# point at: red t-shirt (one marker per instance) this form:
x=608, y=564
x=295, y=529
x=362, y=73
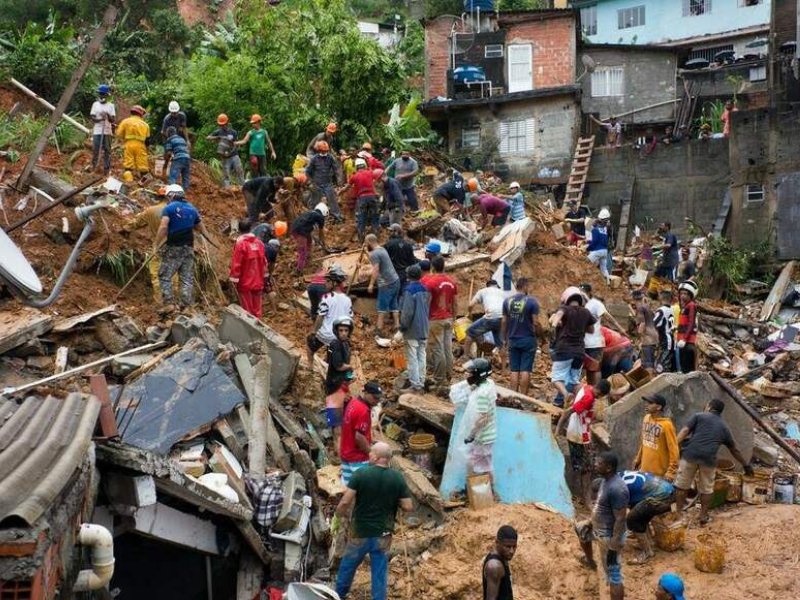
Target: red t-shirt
x=443, y=291
x=584, y=408
x=356, y=419
x=363, y=183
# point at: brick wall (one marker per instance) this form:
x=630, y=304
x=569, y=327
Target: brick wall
x=437, y=56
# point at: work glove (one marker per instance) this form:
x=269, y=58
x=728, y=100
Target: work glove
x=748, y=470
x=335, y=524
x=681, y=345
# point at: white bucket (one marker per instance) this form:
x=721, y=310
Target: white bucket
x=782, y=488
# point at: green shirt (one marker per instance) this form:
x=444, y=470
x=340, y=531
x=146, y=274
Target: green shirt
x=258, y=142
x=486, y=402
x=378, y=492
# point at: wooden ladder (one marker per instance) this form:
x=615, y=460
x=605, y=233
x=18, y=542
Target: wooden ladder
x=580, y=168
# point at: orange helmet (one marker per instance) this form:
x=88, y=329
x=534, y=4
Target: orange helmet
x=222, y=119
x=331, y=128
x=137, y=110
x=255, y=119
x=162, y=191
x=472, y=185
x=281, y=228
x=301, y=178
x=322, y=146
x=366, y=146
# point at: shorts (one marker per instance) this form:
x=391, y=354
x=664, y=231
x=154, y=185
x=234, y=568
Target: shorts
x=387, y=297
x=583, y=529
x=348, y=468
x=521, y=352
x=567, y=371
x=597, y=355
x=686, y=474
x=642, y=513
x=648, y=356
x=480, y=458
x=609, y=559
x=482, y=326
x=334, y=417
x=581, y=457
x=314, y=343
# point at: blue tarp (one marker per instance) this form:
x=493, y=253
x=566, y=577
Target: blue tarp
x=528, y=465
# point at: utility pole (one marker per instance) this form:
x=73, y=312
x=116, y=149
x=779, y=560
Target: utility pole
x=92, y=49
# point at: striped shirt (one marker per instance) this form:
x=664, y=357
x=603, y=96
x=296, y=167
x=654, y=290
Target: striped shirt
x=517, y=202
x=486, y=403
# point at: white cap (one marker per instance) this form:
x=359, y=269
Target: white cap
x=361, y=163
x=174, y=106
x=514, y=184
x=323, y=208
x=174, y=188
x=274, y=242
x=363, y=154
x=604, y=214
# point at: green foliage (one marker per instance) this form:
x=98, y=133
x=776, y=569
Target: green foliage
x=120, y=265
x=409, y=129
x=21, y=132
x=411, y=49
x=712, y=114
x=436, y=8
x=503, y=5
x=734, y=266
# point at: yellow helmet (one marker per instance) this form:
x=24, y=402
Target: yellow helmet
x=127, y=177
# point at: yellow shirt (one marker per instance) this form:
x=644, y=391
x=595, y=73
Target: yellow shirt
x=659, y=452
x=349, y=168
x=149, y=217
x=133, y=128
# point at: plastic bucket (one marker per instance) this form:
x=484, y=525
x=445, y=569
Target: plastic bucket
x=734, y=486
x=619, y=386
x=669, y=531
x=720, y=493
x=755, y=489
x=421, y=445
x=783, y=488
x=460, y=327
x=709, y=554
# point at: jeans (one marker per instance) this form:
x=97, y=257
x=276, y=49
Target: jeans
x=367, y=214
x=232, y=165
x=354, y=554
x=395, y=215
x=600, y=258
x=410, y=194
x=101, y=141
x=180, y=167
x=416, y=360
x=180, y=260
x=441, y=344
x=330, y=195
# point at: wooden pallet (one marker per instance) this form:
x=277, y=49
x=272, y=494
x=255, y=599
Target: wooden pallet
x=580, y=168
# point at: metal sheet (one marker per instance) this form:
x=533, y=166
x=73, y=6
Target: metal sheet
x=787, y=217
x=528, y=465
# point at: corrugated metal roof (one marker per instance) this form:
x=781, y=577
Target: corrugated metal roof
x=42, y=443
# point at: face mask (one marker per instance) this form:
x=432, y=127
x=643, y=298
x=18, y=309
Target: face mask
x=103, y=100
x=406, y=158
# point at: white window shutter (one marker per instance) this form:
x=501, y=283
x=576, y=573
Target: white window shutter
x=503, y=136
x=530, y=134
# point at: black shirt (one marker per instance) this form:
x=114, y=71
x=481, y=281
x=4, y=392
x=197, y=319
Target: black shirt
x=570, y=333
x=401, y=253
x=305, y=223
x=453, y=190
x=504, y=592
x=264, y=189
x=338, y=355
x=581, y=213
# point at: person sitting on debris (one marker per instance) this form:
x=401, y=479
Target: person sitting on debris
x=650, y=496
x=405, y=170
x=450, y=193
x=357, y=430
x=491, y=299
x=415, y=326
x=332, y=306
x=517, y=202
x=518, y=331
x=487, y=204
x=151, y=218
x=103, y=115
x=670, y=587
x=257, y=140
x=134, y=133
x=599, y=239
x=179, y=219
x=482, y=435
x=388, y=284
x=176, y=154
x=706, y=432
x=249, y=269
x=613, y=130
x=338, y=376
x=226, y=150
x=670, y=137
x=401, y=252
x=617, y=353
x=373, y=494
x=571, y=322
x=444, y=292
x=363, y=184
x=325, y=172
x=576, y=217
x=686, y=332
x=326, y=136
x=594, y=341
x=496, y=572
x=259, y=195
x=608, y=524
x=686, y=267
x=658, y=449
x=393, y=198
x=575, y=423
x=302, y=231
x=645, y=327
x=664, y=322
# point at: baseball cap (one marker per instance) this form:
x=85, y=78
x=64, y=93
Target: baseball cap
x=374, y=388
x=492, y=282
x=672, y=584
x=655, y=399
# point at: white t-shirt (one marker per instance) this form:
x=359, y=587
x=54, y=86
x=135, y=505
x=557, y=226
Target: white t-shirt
x=332, y=307
x=99, y=109
x=491, y=298
x=598, y=309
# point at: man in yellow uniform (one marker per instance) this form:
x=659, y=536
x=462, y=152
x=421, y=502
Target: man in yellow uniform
x=133, y=132
x=151, y=218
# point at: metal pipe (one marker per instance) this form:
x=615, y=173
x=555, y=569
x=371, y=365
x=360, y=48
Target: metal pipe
x=100, y=540
x=635, y=110
x=56, y=202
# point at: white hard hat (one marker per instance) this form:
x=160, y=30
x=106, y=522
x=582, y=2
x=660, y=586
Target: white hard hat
x=174, y=188
x=689, y=286
x=323, y=208
x=603, y=214
x=514, y=184
x=360, y=163
x=571, y=292
x=174, y=106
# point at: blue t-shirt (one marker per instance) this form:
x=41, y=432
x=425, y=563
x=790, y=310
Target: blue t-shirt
x=519, y=311
x=177, y=146
x=671, y=256
x=613, y=495
x=183, y=217
x=646, y=485
x=599, y=239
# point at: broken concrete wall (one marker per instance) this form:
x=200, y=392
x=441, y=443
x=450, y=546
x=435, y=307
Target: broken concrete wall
x=685, y=395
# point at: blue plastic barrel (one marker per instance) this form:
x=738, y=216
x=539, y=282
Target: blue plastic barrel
x=483, y=5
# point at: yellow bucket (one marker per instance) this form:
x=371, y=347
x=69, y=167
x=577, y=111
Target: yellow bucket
x=460, y=327
x=669, y=531
x=709, y=554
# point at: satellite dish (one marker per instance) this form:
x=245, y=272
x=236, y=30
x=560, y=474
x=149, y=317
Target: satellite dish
x=15, y=270
x=588, y=66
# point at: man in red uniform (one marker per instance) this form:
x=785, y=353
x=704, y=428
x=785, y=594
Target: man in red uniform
x=356, y=437
x=444, y=291
x=367, y=209
x=248, y=269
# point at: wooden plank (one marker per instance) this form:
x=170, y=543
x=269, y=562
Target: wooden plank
x=253, y=540
x=528, y=402
x=162, y=522
x=31, y=94
x=20, y=325
x=64, y=325
x=773, y=301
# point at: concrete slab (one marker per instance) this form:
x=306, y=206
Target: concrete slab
x=21, y=325
x=242, y=329
x=685, y=395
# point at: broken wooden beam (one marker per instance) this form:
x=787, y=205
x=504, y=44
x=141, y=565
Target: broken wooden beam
x=259, y=416
x=529, y=403
x=52, y=205
x=773, y=302
x=31, y=94
x=288, y=423
x=107, y=422
x=22, y=325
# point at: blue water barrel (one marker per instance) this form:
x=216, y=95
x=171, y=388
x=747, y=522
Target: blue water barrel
x=468, y=73
x=483, y=5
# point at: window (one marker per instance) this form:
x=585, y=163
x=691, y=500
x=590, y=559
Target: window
x=471, y=137
x=693, y=8
x=589, y=19
x=758, y=73
x=493, y=51
x=608, y=81
x=710, y=53
x=516, y=137
x=630, y=17
x=755, y=193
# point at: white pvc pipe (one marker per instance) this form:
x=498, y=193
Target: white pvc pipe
x=100, y=540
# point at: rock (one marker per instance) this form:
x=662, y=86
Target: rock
x=124, y=365
x=765, y=451
x=185, y=328
x=111, y=338
x=129, y=329
x=154, y=333
x=40, y=363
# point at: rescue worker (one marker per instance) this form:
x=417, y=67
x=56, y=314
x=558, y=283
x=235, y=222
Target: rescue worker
x=177, y=119
x=151, y=218
x=325, y=172
x=176, y=153
x=326, y=136
x=258, y=138
x=453, y=192
x=226, y=150
x=599, y=239
x=259, y=196
x=249, y=269
x=363, y=184
x=103, y=115
x=133, y=132
x=302, y=231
